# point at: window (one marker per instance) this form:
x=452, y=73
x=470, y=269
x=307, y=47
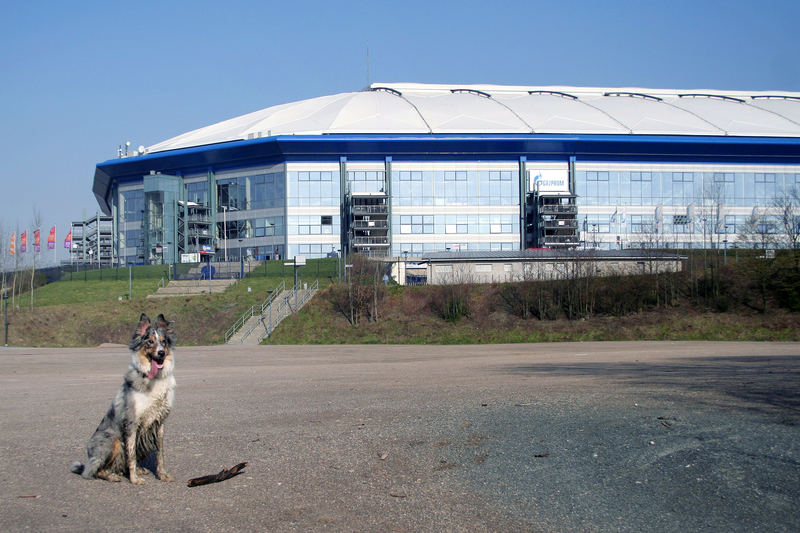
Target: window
x=596, y=176
x=326, y=220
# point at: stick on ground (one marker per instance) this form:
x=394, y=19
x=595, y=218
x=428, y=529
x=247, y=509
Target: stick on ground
x=216, y=478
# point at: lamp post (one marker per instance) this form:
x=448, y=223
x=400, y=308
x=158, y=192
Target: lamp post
x=225, y=229
x=241, y=260
x=5, y=313
x=405, y=266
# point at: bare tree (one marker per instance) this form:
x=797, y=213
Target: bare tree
x=4, y=251
x=759, y=230
x=37, y=222
x=787, y=213
x=18, y=250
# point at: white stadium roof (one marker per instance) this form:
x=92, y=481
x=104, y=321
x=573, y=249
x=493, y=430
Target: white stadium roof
x=414, y=108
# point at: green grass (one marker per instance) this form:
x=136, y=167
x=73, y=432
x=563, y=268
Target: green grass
x=403, y=320
x=88, y=313
x=79, y=292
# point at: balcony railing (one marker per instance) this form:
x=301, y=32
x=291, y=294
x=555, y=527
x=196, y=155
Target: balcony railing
x=559, y=224
x=563, y=240
x=370, y=224
x=557, y=209
x=370, y=241
x=370, y=209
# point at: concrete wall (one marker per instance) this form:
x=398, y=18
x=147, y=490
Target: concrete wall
x=498, y=271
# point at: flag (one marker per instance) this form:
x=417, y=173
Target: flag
x=51, y=240
x=68, y=240
x=36, y=241
x=614, y=216
x=23, y=242
x=13, y=239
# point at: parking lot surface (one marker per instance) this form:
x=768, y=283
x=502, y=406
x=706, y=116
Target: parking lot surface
x=639, y=436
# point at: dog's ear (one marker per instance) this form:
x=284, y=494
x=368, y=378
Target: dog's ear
x=166, y=325
x=162, y=322
x=144, y=323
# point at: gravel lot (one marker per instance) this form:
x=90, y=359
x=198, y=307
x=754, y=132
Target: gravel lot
x=656, y=436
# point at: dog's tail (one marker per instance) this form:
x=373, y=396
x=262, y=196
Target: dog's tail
x=77, y=467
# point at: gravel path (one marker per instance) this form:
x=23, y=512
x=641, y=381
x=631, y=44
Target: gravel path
x=672, y=436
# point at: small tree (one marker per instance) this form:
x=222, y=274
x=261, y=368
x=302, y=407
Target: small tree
x=362, y=293
x=758, y=230
x=787, y=213
x=37, y=222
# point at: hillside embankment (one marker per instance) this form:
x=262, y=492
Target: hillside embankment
x=751, y=299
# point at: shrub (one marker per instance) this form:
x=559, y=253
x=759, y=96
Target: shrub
x=451, y=302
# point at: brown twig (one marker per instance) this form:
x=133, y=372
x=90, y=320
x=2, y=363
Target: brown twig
x=216, y=478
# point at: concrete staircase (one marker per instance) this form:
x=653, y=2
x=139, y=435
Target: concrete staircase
x=187, y=287
x=228, y=275
x=257, y=324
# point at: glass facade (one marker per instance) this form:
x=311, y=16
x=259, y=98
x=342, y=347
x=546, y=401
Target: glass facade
x=455, y=187
x=682, y=206
x=457, y=206
x=312, y=188
x=253, y=191
x=738, y=189
x=297, y=208
x=131, y=237
x=161, y=194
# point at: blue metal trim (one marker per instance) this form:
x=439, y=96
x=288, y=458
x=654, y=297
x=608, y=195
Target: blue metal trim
x=433, y=147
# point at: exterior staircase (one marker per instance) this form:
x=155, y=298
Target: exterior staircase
x=186, y=287
x=225, y=275
x=260, y=321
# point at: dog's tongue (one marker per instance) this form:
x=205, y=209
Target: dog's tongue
x=154, y=368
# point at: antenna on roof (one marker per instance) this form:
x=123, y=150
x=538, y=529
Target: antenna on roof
x=368, y=80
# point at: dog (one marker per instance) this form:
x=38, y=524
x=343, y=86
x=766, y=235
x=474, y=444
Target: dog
x=133, y=428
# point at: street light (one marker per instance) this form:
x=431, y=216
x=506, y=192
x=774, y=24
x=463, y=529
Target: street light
x=241, y=260
x=225, y=230
x=5, y=313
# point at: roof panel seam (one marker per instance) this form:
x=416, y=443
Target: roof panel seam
x=725, y=132
x=773, y=112
x=609, y=115
x=530, y=128
x=422, y=118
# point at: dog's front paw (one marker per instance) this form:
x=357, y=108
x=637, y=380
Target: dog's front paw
x=163, y=476
x=137, y=481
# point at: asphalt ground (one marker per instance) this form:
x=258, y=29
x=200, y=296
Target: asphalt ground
x=664, y=436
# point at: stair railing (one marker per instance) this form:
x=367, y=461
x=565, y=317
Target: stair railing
x=284, y=309
x=252, y=311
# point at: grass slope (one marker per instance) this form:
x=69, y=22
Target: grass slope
x=89, y=313
x=406, y=319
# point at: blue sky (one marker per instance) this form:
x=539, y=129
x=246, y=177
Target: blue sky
x=81, y=78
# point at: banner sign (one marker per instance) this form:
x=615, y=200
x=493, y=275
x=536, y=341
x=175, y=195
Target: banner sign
x=548, y=180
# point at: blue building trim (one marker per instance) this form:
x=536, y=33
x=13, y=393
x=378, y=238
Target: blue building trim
x=454, y=147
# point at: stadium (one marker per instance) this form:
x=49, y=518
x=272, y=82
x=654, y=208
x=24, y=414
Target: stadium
x=401, y=169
